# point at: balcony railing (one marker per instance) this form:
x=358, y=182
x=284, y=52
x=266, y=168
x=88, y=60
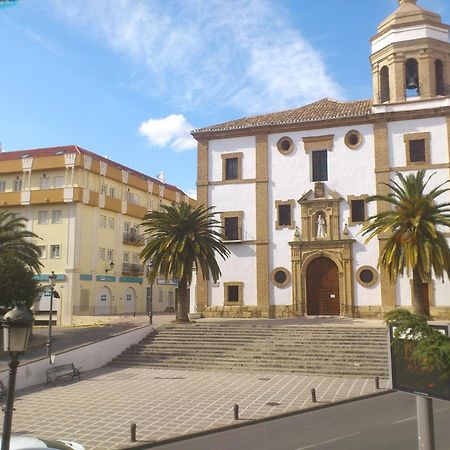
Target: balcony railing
x=131, y=237
x=133, y=269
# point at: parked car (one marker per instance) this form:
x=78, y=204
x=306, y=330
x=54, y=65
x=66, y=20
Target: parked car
x=23, y=442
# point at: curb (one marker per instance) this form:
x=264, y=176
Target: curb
x=184, y=437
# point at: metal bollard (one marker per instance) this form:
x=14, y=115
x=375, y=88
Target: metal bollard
x=133, y=432
x=236, y=412
x=377, y=383
x=313, y=396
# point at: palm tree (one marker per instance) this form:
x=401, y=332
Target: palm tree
x=181, y=238
x=414, y=243
x=15, y=241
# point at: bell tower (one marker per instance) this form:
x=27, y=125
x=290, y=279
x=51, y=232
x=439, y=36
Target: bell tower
x=410, y=56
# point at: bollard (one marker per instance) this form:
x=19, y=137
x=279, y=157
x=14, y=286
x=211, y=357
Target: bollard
x=377, y=383
x=313, y=396
x=236, y=412
x=133, y=432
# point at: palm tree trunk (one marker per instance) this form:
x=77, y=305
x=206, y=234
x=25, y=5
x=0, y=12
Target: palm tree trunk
x=183, y=302
x=418, y=301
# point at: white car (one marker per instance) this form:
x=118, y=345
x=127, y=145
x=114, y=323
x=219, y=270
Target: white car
x=23, y=442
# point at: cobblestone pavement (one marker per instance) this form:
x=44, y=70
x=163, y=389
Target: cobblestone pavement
x=97, y=411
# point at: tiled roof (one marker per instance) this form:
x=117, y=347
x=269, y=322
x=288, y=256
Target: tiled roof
x=54, y=151
x=325, y=109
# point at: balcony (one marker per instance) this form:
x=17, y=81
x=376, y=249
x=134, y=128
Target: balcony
x=133, y=269
x=132, y=238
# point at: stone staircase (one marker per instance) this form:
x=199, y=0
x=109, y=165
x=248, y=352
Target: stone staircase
x=330, y=350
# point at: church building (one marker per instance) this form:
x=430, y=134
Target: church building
x=290, y=187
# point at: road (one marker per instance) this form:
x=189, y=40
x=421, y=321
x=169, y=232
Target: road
x=387, y=422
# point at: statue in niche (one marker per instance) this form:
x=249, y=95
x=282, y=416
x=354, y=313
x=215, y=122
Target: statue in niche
x=321, y=227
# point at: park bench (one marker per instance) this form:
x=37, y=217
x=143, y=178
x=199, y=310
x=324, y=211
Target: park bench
x=64, y=370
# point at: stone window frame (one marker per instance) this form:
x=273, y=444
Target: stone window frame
x=225, y=156
x=407, y=138
x=371, y=283
x=275, y=282
x=240, y=216
x=350, y=198
x=315, y=143
x=291, y=145
x=278, y=203
x=347, y=139
x=430, y=283
x=240, y=286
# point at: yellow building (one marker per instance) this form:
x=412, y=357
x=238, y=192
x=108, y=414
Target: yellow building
x=87, y=210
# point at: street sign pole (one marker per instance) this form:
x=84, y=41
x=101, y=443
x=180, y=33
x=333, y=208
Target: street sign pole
x=425, y=425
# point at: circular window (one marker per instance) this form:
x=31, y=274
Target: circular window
x=366, y=276
x=353, y=139
x=281, y=277
x=285, y=145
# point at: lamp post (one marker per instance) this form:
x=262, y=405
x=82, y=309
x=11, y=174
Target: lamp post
x=16, y=331
x=52, y=281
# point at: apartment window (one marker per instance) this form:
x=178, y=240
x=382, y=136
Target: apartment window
x=126, y=227
x=233, y=293
x=320, y=165
x=133, y=199
x=284, y=214
x=112, y=191
x=110, y=254
x=101, y=253
x=135, y=258
x=417, y=148
x=232, y=225
x=56, y=216
x=17, y=185
x=42, y=217
x=111, y=223
x=126, y=257
x=55, y=251
x=231, y=166
x=102, y=221
x=42, y=251
x=103, y=189
x=44, y=183
x=58, y=182
x=2, y=186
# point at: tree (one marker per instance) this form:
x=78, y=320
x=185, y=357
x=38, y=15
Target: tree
x=15, y=240
x=181, y=238
x=17, y=284
x=429, y=348
x=411, y=224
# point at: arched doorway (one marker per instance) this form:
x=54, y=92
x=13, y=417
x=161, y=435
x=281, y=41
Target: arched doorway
x=104, y=301
x=322, y=288
x=129, y=301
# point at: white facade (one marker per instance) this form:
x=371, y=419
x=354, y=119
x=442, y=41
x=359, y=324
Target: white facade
x=258, y=174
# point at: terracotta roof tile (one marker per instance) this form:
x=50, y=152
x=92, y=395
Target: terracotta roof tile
x=325, y=109
x=53, y=151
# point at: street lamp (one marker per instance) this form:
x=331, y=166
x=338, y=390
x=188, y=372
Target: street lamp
x=16, y=331
x=52, y=281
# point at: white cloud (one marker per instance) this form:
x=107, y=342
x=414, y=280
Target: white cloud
x=192, y=193
x=171, y=131
x=241, y=53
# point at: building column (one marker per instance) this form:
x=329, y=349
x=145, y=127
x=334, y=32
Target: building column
x=262, y=225
x=382, y=172
x=201, y=287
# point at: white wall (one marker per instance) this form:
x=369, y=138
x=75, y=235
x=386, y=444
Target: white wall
x=217, y=147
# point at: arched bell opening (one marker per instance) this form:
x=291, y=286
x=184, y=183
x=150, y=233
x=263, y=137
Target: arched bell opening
x=385, y=95
x=439, y=71
x=412, y=86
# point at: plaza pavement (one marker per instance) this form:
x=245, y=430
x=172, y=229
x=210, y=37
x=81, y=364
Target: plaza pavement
x=98, y=410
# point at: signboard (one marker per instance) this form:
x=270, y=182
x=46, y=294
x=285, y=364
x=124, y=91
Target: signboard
x=406, y=376
x=165, y=282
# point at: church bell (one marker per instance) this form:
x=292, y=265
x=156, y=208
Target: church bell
x=412, y=82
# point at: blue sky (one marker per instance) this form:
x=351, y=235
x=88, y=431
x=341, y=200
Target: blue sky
x=130, y=78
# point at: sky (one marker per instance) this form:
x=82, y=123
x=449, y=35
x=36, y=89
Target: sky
x=129, y=79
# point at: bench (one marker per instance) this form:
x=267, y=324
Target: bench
x=64, y=370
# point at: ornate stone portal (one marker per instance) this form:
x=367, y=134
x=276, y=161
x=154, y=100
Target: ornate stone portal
x=321, y=236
